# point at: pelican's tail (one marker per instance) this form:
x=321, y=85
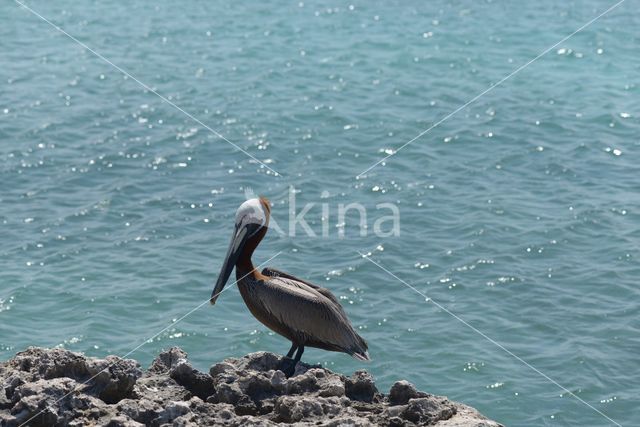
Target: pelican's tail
x=360, y=349
x=364, y=356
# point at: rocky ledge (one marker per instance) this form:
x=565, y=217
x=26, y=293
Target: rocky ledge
x=55, y=387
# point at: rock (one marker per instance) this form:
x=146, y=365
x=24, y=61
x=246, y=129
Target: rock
x=332, y=387
x=123, y=421
x=303, y=383
x=167, y=360
x=361, y=387
x=467, y=416
x=221, y=368
x=55, y=387
x=142, y=410
x=428, y=410
x=290, y=409
x=227, y=393
x=402, y=391
x=172, y=411
x=198, y=383
x=110, y=379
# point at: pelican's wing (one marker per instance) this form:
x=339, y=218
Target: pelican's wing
x=310, y=313
x=272, y=272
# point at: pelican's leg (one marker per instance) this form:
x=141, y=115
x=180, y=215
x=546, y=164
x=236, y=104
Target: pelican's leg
x=292, y=350
x=288, y=365
x=298, y=355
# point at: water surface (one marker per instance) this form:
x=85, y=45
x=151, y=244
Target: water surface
x=520, y=214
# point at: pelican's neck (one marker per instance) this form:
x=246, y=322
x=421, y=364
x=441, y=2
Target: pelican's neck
x=244, y=265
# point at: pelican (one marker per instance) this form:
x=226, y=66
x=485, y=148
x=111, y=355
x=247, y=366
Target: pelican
x=306, y=314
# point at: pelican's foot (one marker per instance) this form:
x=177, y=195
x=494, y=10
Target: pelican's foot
x=288, y=366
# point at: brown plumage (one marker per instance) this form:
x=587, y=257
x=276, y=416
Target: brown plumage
x=304, y=313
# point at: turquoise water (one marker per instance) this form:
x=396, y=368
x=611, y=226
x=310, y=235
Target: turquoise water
x=520, y=214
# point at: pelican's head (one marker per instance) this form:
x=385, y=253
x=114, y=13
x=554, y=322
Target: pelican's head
x=254, y=211
x=252, y=220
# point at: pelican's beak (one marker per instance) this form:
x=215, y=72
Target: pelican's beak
x=233, y=253
x=240, y=236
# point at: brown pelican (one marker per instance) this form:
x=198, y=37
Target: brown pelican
x=305, y=314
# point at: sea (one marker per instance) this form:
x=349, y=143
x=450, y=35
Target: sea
x=463, y=175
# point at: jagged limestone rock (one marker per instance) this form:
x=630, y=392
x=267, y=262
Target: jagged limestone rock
x=55, y=387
